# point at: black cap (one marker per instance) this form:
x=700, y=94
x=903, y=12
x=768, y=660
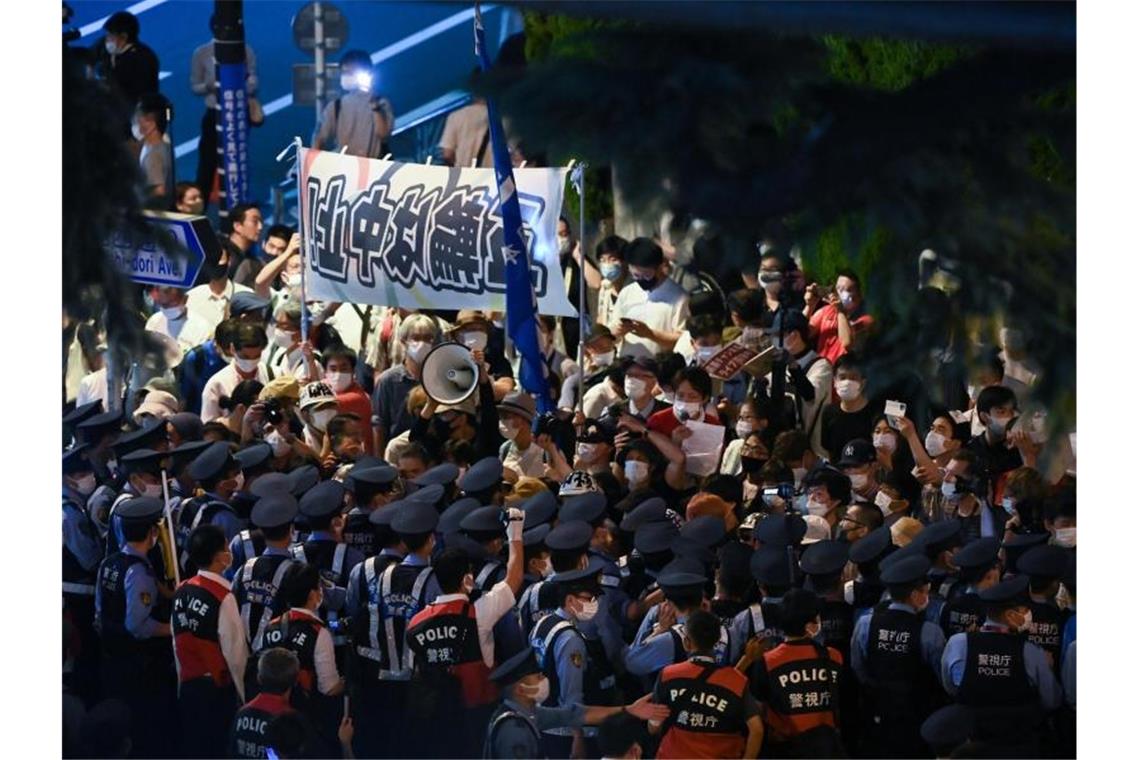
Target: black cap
x=824, y=558
x=681, y=575
x=187, y=452
x=979, y=553
x=430, y=494
x=377, y=477
x=188, y=426
x=536, y=535
x=82, y=413
x=734, y=557
x=687, y=548
x=483, y=522
x=872, y=546
x=415, y=518
x=484, y=475
x=780, y=530
x=274, y=510
x=539, y=508
x=303, y=478
x=939, y=536
x=515, y=668
x=856, y=453
x=452, y=516
x=75, y=459
x=384, y=515
x=588, y=507
x=769, y=566
x=100, y=424
x=948, y=728
x=254, y=455
x=906, y=571
x=1044, y=562
x=655, y=537
x=271, y=483
x=143, y=460
x=570, y=536
x=149, y=433
x=706, y=530
x=788, y=320
x=1011, y=592
x=324, y=499
x=652, y=509
x=216, y=460
x=141, y=509
x=441, y=475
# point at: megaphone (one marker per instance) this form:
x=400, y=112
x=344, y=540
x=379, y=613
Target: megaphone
x=450, y=374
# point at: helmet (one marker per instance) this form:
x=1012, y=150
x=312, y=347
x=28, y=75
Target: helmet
x=578, y=483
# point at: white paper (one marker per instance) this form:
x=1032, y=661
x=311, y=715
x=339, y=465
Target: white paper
x=702, y=448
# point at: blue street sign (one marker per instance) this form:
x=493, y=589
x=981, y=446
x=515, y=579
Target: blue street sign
x=193, y=240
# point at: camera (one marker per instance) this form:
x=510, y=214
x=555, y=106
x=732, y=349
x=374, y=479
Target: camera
x=274, y=412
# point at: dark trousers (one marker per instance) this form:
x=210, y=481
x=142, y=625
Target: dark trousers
x=207, y=712
x=147, y=685
x=378, y=718
x=84, y=678
x=207, y=154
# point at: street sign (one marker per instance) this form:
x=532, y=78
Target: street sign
x=305, y=83
x=335, y=31
x=194, y=241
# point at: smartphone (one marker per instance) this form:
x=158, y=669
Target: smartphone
x=893, y=410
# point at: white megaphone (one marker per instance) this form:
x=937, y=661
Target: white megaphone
x=450, y=374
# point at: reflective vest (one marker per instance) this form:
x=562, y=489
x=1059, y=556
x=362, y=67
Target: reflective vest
x=256, y=588
x=446, y=636
x=194, y=624
x=706, y=710
x=802, y=688
x=328, y=557
x=76, y=579
x=251, y=725
x=297, y=631
x=390, y=597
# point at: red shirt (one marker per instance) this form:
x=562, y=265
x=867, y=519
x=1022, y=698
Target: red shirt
x=666, y=421
x=825, y=324
x=355, y=401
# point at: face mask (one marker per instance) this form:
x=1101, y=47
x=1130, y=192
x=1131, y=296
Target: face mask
x=634, y=387
x=884, y=441
x=798, y=474
x=883, y=502
x=586, y=451
x=136, y=132
x=935, y=443
x=604, y=360
x=1063, y=537
x=751, y=465
x=816, y=507
x=347, y=83
x=86, y=484
x=563, y=245
x=293, y=281
x=540, y=692
x=510, y=432
x=998, y=425
x=417, y=350
x=586, y=611
x=636, y=473
x=284, y=338
x=704, y=353
x=743, y=428
x=110, y=47
x=278, y=442
x=475, y=340
x=174, y=313
x=846, y=297
x=1009, y=506
x=245, y=365
x=1027, y=621
x=847, y=390
x=338, y=380
x=646, y=283
x=687, y=410
x=321, y=419
x=611, y=271
x=949, y=491
x=859, y=481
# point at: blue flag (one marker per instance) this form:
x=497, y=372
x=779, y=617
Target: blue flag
x=522, y=306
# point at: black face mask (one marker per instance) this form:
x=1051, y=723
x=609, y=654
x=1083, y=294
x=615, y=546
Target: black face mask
x=214, y=271
x=751, y=465
x=646, y=284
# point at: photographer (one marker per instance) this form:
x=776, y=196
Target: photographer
x=807, y=382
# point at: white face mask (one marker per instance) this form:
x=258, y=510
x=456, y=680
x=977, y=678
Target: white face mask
x=475, y=340
x=687, y=410
x=1065, y=537
x=284, y=338
x=816, y=507
x=338, y=380
x=245, y=365
x=417, y=350
x=278, y=442
x=563, y=245
x=586, y=610
x=846, y=297
x=743, y=428
x=884, y=441
x=1009, y=505
x=858, y=481
x=883, y=502
x=636, y=473
x=634, y=387
x=86, y=484
x=174, y=313
x=847, y=390
x=949, y=491
x=510, y=432
x=321, y=419
x=136, y=131
x=110, y=47
x=604, y=359
x=935, y=443
x=772, y=287
x=586, y=451
x=293, y=281
x=704, y=353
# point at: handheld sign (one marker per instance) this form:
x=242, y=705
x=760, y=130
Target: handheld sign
x=193, y=241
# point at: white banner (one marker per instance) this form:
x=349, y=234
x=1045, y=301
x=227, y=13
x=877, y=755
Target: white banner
x=423, y=237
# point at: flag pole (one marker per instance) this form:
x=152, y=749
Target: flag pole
x=578, y=179
x=306, y=317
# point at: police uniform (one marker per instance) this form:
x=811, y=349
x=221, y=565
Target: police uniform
x=483, y=525
x=93, y=431
x=250, y=735
x=948, y=728
x=430, y=494
x=1047, y=563
x=482, y=480
x=180, y=459
x=536, y=600
x=800, y=682
x=896, y=653
x=649, y=653
x=442, y=475
x=590, y=508
x=865, y=591
x=515, y=731
x=150, y=462
x=322, y=550
x=365, y=485
x=301, y=479
x=136, y=655
x=539, y=508
x=534, y=542
x=709, y=709
x=253, y=460
x=382, y=599
x=1006, y=680
x=208, y=509
x=932, y=540
x=732, y=559
x=451, y=517
x=82, y=552
x=964, y=612
x=770, y=568
x=76, y=417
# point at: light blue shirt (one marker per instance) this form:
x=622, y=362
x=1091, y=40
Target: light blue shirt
x=79, y=534
x=953, y=669
x=141, y=592
x=570, y=658
x=1069, y=674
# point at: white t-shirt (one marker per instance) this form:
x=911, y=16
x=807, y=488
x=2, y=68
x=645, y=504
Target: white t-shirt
x=221, y=384
x=211, y=308
x=190, y=331
x=527, y=463
x=665, y=308
x=598, y=398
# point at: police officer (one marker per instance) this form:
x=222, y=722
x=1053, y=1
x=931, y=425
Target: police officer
x=100, y=432
x=277, y=671
x=323, y=507
x=257, y=583
x=371, y=488
x=979, y=569
x=77, y=416
x=1004, y=678
x=940, y=541
x=210, y=648
x=896, y=654
x=182, y=485
x=733, y=581
x=381, y=600
x=442, y=475
x=82, y=552
x=1045, y=566
x=136, y=662
x=712, y=714
x=219, y=475
x=772, y=573
x=799, y=683
x=485, y=527
x=249, y=543
x=867, y=590
x=483, y=481
x=143, y=470
x=948, y=728
x=255, y=461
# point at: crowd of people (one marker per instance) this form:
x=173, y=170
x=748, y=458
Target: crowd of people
x=277, y=543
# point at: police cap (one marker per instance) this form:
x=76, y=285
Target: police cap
x=302, y=479
x=570, y=536
x=536, y=535
x=212, y=463
x=452, y=516
x=247, y=301
x=780, y=530
x=83, y=413
x=688, y=548
x=186, y=453
x=769, y=566
x=100, y=424
x=484, y=475
x=415, y=518
x=734, y=557
x=271, y=483
x=384, y=515
x=872, y=546
x=824, y=558
x=1008, y=593
x=906, y=571
x=427, y=494
x=977, y=554
x=483, y=522
x=588, y=507
x=324, y=499
x=681, y=575
x=440, y=475
x=1025, y=540
x=471, y=548
x=583, y=579
x=947, y=728
x=274, y=510
x=707, y=530
x=376, y=479
x=539, y=509
x=1044, y=562
x=149, y=434
x=141, y=509
x=651, y=510
x=254, y=455
x=367, y=462
x=75, y=459
x=655, y=537
x=143, y=460
x=939, y=536
x=515, y=668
